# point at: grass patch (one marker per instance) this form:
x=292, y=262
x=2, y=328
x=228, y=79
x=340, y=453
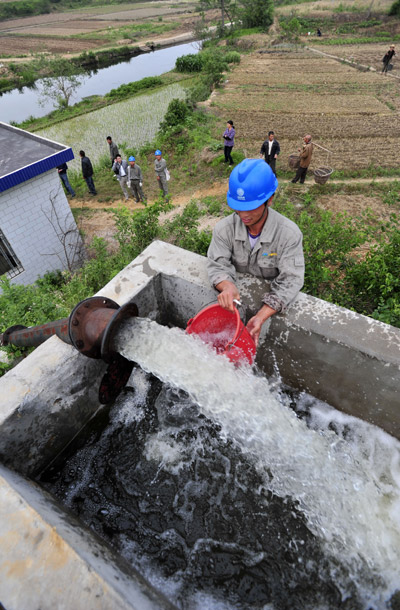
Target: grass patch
x=132, y=32
x=377, y=39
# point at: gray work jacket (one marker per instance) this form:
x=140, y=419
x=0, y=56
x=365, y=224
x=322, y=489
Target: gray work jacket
x=277, y=256
x=160, y=166
x=135, y=173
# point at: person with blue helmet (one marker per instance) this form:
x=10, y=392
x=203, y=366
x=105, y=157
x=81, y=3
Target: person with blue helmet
x=258, y=240
x=135, y=180
x=160, y=166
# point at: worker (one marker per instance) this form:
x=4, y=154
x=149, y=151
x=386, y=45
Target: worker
x=258, y=240
x=305, y=160
x=135, y=180
x=162, y=174
x=387, y=58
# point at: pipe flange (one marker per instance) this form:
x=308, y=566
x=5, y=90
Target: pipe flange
x=87, y=323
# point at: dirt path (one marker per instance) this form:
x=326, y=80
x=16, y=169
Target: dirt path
x=218, y=188
x=101, y=223
x=350, y=62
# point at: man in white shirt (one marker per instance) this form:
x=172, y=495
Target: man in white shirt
x=120, y=169
x=270, y=149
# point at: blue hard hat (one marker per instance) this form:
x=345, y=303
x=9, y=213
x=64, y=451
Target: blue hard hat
x=158, y=152
x=131, y=159
x=251, y=184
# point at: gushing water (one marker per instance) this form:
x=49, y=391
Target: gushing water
x=347, y=488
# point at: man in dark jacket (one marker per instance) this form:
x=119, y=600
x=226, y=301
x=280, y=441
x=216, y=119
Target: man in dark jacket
x=271, y=149
x=113, y=149
x=87, y=172
x=62, y=172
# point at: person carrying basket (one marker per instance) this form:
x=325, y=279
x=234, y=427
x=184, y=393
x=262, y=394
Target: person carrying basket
x=387, y=58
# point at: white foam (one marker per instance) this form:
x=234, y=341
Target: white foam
x=349, y=492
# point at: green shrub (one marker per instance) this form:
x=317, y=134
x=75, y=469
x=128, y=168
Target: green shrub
x=232, y=57
x=130, y=88
x=395, y=9
x=199, y=92
x=189, y=63
x=176, y=114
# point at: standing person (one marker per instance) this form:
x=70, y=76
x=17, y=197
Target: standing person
x=62, y=172
x=113, y=149
x=387, y=57
x=135, y=180
x=160, y=166
x=87, y=172
x=120, y=169
x=256, y=239
x=229, y=141
x=270, y=149
x=305, y=160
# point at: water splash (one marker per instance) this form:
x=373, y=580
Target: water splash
x=350, y=501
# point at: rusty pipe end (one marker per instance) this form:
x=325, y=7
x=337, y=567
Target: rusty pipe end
x=93, y=324
x=5, y=338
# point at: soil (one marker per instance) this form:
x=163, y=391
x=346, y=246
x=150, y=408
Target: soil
x=100, y=222
x=347, y=111
x=51, y=32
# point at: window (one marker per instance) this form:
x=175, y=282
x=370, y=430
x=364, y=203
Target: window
x=9, y=263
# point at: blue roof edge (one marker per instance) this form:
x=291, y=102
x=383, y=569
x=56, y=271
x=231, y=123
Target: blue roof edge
x=35, y=169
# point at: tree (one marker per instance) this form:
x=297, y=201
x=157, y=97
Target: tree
x=395, y=9
x=249, y=13
x=61, y=87
x=257, y=13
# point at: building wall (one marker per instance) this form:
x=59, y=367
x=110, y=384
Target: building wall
x=35, y=217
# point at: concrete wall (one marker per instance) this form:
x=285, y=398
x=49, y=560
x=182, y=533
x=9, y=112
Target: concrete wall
x=33, y=227
x=348, y=360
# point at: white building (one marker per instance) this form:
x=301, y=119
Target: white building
x=38, y=232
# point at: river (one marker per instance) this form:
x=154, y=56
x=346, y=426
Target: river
x=19, y=105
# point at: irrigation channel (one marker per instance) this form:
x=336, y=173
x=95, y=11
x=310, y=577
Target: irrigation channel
x=228, y=491
x=18, y=105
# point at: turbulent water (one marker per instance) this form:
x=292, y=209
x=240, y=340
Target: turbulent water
x=225, y=497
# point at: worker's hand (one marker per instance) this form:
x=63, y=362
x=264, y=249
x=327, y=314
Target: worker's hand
x=255, y=323
x=228, y=292
x=158, y=177
x=276, y=156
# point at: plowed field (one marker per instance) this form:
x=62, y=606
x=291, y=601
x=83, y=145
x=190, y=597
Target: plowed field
x=354, y=114
x=50, y=32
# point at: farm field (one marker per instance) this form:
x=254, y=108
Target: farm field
x=133, y=123
x=348, y=112
x=95, y=27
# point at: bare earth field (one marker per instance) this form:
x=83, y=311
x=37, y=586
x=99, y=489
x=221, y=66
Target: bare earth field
x=323, y=8
x=346, y=111
x=367, y=54
x=51, y=32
